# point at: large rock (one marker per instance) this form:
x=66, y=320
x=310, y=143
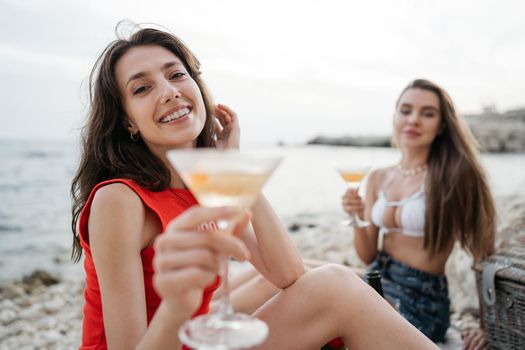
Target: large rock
x=499, y=132
x=495, y=132
x=358, y=141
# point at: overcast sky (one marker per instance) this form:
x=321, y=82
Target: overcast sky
x=291, y=69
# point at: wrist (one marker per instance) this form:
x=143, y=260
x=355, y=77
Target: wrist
x=358, y=212
x=173, y=313
x=163, y=329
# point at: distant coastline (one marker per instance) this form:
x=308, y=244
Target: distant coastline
x=496, y=133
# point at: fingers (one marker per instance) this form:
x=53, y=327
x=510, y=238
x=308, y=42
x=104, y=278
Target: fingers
x=242, y=223
x=479, y=341
x=351, y=201
x=182, y=280
x=196, y=215
x=226, y=113
x=217, y=242
x=466, y=337
x=184, y=252
x=201, y=258
x=226, y=127
x=217, y=125
x=474, y=339
x=187, y=259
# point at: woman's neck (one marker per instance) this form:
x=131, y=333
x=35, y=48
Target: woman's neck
x=176, y=180
x=413, y=158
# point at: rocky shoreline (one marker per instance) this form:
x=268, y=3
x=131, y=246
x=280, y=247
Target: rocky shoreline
x=495, y=132
x=43, y=311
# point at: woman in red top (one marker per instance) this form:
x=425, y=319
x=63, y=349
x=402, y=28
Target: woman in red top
x=147, y=96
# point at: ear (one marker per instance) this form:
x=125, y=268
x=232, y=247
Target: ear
x=132, y=128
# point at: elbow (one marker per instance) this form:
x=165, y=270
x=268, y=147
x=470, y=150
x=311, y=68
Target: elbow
x=366, y=258
x=291, y=275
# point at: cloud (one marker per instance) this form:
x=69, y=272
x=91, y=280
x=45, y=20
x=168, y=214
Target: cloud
x=26, y=61
x=332, y=66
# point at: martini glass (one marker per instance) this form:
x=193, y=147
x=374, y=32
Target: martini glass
x=353, y=175
x=223, y=178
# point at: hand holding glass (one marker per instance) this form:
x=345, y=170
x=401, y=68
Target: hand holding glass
x=223, y=178
x=353, y=176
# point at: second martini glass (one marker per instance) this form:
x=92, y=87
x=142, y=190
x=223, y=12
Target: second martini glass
x=223, y=178
x=353, y=177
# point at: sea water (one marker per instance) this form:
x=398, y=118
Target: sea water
x=35, y=205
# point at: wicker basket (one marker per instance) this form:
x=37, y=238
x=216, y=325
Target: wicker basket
x=501, y=289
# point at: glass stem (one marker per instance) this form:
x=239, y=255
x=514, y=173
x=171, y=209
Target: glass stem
x=225, y=306
x=354, y=214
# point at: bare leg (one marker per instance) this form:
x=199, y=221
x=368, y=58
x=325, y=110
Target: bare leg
x=238, y=281
x=250, y=296
x=250, y=290
x=332, y=301
x=313, y=263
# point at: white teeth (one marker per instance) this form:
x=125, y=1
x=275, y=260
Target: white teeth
x=175, y=115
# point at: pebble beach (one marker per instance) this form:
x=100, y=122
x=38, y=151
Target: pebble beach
x=42, y=311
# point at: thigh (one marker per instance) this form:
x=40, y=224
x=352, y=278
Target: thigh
x=332, y=301
x=251, y=295
x=248, y=291
x=298, y=317
x=238, y=279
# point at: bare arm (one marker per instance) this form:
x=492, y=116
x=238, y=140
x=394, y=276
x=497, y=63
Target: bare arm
x=273, y=253
x=116, y=238
x=365, y=239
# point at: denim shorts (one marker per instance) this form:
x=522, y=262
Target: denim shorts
x=421, y=297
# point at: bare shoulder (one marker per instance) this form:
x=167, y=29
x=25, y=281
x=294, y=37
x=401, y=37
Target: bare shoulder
x=115, y=194
x=116, y=211
x=379, y=175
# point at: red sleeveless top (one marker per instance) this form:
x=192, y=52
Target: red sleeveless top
x=166, y=204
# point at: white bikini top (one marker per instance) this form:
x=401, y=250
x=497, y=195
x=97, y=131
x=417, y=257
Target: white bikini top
x=412, y=217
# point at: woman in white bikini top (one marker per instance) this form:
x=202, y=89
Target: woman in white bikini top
x=438, y=194
x=410, y=213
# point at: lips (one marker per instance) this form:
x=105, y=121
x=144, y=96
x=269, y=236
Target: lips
x=175, y=114
x=412, y=133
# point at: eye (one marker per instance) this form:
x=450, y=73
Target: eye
x=140, y=89
x=405, y=111
x=177, y=75
x=430, y=114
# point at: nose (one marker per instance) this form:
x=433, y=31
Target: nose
x=413, y=118
x=169, y=92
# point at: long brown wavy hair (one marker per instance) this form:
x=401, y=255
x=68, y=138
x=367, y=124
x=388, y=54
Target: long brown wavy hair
x=459, y=204
x=107, y=150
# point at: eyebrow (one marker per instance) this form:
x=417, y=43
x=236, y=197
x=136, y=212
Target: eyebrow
x=143, y=74
x=424, y=107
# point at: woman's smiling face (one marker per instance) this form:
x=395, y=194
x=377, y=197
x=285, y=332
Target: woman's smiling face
x=161, y=100
x=417, y=120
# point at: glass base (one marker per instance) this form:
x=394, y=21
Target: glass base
x=218, y=332
x=355, y=222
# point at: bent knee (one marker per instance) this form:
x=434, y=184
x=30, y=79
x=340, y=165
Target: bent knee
x=334, y=278
x=337, y=273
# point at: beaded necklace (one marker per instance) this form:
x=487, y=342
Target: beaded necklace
x=411, y=172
